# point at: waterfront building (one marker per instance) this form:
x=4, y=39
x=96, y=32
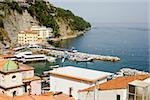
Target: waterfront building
x=34, y=35
x=17, y=79
x=43, y=32
x=27, y=37
x=122, y=88
x=70, y=79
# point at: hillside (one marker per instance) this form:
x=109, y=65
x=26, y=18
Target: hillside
x=15, y=17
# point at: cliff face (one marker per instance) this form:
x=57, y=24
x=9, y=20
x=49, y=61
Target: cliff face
x=16, y=22
x=15, y=18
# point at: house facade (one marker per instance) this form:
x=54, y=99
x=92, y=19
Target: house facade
x=70, y=79
x=27, y=37
x=116, y=89
x=42, y=31
x=17, y=79
x=34, y=35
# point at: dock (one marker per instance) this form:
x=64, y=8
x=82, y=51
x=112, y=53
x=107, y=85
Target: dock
x=75, y=56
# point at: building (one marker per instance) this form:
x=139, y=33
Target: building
x=34, y=35
x=117, y=89
x=138, y=90
x=27, y=37
x=70, y=80
x=43, y=32
x=17, y=79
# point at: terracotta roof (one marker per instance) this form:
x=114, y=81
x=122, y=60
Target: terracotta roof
x=28, y=31
x=2, y=62
x=4, y=97
x=33, y=97
x=63, y=97
x=31, y=79
x=118, y=83
x=59, y=96
x=25, y=67
x=5, y=56
x=38, y=97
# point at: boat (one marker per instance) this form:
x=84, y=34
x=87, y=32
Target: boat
x=51, y=59
x=54, y=67
x=84, y=60
x=29, y=58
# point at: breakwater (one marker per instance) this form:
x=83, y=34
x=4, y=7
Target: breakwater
x=75, y=56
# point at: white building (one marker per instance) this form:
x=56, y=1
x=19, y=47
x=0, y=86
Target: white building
x=17, y=79
x=116, y=89
x=70, y=80
x=138, y=90
x=42, y=31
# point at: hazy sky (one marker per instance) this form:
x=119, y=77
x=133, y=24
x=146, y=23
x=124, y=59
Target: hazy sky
x=108, y=11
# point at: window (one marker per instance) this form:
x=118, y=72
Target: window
x=14, y=93
x=2, y=77
x=131, y=89
x=118, y=97
x=14, y=77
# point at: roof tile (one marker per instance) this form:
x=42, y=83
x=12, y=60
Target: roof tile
x=118, y=83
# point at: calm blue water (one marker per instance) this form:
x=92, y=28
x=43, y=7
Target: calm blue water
x=127, y=41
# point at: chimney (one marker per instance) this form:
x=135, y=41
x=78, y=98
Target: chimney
x=70, y=92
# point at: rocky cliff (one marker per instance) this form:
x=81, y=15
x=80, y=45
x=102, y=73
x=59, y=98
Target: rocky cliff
x=15, y=17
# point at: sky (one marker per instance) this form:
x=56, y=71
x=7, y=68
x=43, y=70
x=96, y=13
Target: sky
x=108, y=11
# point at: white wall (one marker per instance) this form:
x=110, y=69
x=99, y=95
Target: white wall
x=104, y=95
x=148, y=81
x=19, y=91
x=86, y=95
x=42, y=31
x=59, y=84
x=27, y=74
x=8, y=81
x=112, y=94
x=36, y=87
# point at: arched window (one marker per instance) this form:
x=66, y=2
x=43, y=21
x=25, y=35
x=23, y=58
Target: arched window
x=14, y=93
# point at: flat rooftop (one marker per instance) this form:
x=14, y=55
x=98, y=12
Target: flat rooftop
x=139, y=83
x=79, y=73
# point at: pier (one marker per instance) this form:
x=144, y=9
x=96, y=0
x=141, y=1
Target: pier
x=75, y=56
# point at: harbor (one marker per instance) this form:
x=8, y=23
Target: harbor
x=76, y=56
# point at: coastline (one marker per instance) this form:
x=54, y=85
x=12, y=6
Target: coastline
x=76, y=34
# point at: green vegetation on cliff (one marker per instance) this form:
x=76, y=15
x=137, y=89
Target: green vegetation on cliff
x=75, y=22
x=42, y=12
x=46, y=14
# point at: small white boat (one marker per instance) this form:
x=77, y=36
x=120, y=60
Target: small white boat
x=29, y=58
x=54, y=67
x=51, y=59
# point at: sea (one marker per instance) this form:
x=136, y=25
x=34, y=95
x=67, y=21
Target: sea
x=129, y=41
